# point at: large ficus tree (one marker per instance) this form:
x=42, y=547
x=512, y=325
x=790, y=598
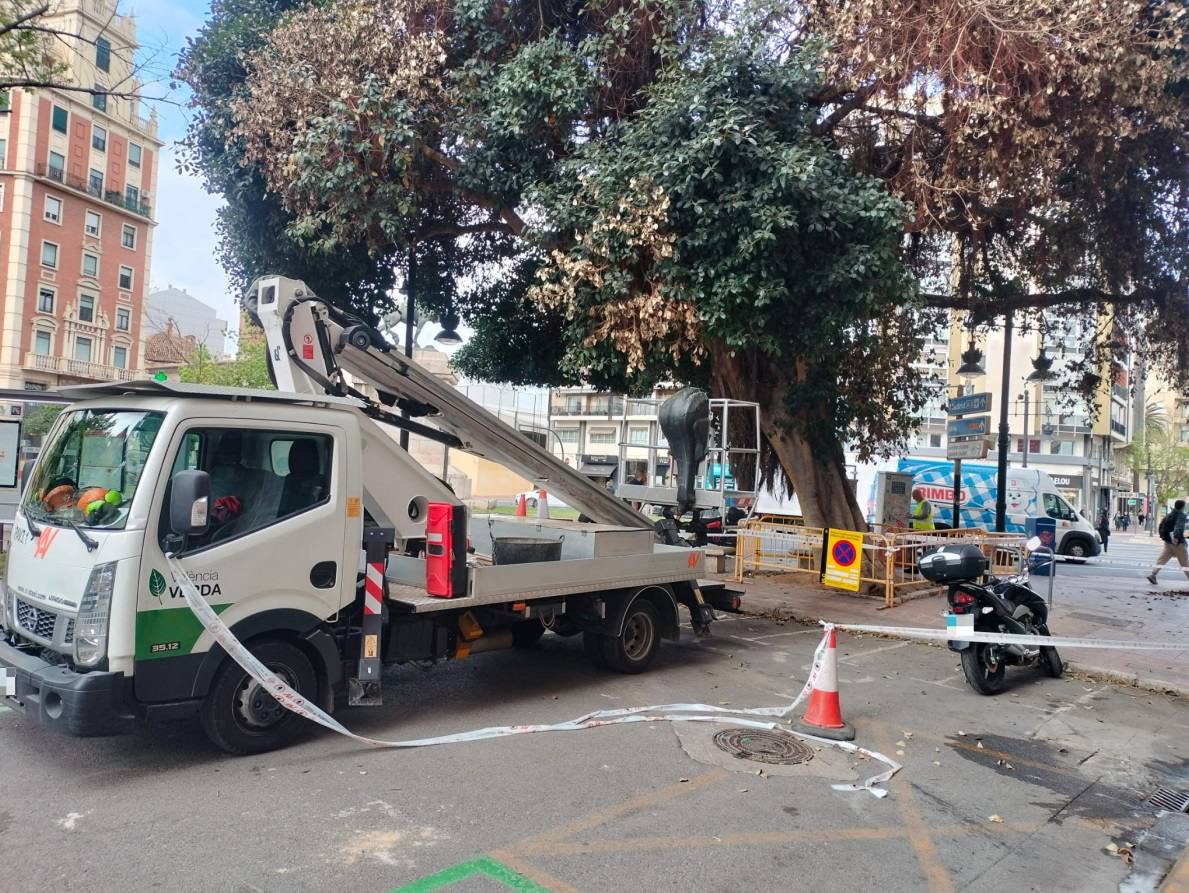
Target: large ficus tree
x=631, y=190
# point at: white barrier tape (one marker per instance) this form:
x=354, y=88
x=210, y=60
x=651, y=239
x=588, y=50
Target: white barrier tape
x=293, y=701
x=960, y=635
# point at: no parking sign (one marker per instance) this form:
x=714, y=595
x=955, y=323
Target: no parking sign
x=844, y=559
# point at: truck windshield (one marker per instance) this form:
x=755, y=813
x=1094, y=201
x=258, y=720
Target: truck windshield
x=88, y=471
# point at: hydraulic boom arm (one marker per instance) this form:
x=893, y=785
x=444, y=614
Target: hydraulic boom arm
x=312, y=345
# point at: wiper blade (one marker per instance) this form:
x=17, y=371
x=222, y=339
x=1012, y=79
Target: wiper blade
x=34, y=530
x=91, y=544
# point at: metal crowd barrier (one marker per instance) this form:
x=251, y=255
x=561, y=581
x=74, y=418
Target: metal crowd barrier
x=890, y=559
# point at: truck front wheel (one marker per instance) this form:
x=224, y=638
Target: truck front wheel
x=241, y=717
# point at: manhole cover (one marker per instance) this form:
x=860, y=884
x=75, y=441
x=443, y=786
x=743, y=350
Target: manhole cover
x=763, y=747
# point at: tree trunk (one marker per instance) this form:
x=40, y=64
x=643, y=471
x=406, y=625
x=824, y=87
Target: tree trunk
x=819, y=478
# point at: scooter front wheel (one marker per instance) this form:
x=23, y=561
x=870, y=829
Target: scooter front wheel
x=984, y=669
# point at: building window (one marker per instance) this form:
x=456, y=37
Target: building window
x=567, y=435
x=123, y=319
x=86, y=308
x=98, y=138
x=45, y=300
x=92, y=223
x=41, y=343
x=49, y=255
x=90, y=265
x=131, y=197
x=126, y=278
x=57, y=166
x=119, y=357
x=128, y=236
x=82, y=349
x=602, y=435
x=99, y=99
x=133, y=155
x=60, y=119
x=53, y=209
x=935, y=440
x=103, y=54
x=3, y=153
x=95, y=183
x=638, y=435
x=1185, y=434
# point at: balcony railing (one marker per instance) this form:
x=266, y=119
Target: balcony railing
x=1118, y=428
x=120, y=200
x=77, y=368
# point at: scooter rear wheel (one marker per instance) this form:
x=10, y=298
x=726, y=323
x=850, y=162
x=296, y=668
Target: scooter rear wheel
x=986, y=675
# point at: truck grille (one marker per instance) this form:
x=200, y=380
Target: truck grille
x=36, y=621
x=68, y=639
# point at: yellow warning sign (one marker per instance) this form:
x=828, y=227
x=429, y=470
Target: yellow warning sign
x=844, y=559
x=352, y=506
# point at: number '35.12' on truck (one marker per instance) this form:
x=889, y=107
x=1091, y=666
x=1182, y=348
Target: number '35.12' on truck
x=276, y=504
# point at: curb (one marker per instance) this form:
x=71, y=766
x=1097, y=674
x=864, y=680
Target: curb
x=1177, y=880
x=1143, y=683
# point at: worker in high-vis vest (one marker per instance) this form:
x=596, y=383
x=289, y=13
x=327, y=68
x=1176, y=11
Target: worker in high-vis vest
x=922, y=511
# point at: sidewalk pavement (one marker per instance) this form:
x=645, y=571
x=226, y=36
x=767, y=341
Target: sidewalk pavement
x=1083, y=607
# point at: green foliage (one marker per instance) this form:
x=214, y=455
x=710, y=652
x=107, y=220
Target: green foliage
x=249, y=369
x=37, y=421
x=1160, y=453
x=253, y=227
x=24, y=60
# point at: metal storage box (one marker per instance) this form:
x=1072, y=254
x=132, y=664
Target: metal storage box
x=952, y=563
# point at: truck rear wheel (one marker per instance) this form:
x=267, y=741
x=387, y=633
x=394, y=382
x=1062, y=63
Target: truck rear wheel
x=240, y=717
x=634, y=649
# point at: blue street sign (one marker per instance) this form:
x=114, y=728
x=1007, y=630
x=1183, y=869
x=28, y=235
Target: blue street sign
x=968, y=403
x=976, y=426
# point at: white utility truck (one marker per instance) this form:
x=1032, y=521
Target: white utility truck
x=323, y=545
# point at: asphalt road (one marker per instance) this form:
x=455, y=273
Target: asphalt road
x=1128, y=558
x=1025, y=791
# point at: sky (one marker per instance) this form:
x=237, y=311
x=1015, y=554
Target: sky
x=184, y=242
x=185, y=247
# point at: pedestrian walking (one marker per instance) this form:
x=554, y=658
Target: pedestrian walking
x=1126, y=522
x=1104, y=527
x=1118, y=521
x=1172, y=534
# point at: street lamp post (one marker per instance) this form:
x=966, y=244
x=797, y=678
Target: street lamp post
x=1025, y=398
x=1004, y=390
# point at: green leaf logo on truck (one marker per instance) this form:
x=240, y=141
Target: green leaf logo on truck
x=156, y=584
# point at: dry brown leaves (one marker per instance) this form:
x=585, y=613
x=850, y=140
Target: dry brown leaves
x=650, y=312
x=977, y=100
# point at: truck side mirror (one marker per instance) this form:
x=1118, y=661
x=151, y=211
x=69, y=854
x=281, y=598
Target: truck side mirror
x=189, y=503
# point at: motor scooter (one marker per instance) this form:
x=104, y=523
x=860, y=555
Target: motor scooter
x=1007, y=605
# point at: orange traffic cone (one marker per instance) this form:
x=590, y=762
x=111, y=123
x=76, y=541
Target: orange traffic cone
x=823, y=717
x=542, y=504
x=521, y=507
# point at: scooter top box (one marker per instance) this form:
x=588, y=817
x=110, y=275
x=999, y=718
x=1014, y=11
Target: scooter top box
x=952, y=563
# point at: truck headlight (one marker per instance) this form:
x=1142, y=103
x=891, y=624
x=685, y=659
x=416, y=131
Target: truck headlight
x=90, y=630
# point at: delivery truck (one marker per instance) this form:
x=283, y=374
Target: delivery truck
x=1031, y=493
x=321, y=543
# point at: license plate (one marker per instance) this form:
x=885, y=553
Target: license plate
x=8, y=682
x=959, y=624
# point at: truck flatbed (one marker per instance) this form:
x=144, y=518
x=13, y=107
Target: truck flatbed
x=496, y=584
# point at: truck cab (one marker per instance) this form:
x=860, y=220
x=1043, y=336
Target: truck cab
x=93, y=623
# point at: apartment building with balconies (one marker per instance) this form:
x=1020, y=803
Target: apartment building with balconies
x=77, y=174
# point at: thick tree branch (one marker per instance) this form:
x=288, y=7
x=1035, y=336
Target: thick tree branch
x=16, y=23
x=857, y=99
x=440, y=230
x=1037, y=300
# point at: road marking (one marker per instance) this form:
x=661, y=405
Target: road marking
x=534, y=872
x=625, y=807
x=760, y=838
x=485, y=867
x=936, y=876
